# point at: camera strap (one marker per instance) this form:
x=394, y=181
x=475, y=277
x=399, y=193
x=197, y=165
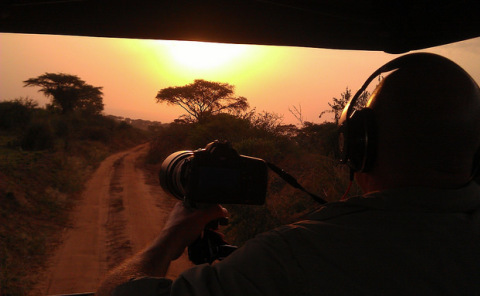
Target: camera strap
x=293, y=182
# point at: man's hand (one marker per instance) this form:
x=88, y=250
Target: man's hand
x=183, y=227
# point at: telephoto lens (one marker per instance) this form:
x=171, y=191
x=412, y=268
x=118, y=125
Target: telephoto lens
x=172, y=173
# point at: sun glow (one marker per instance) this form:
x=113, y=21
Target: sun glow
x=203, y=55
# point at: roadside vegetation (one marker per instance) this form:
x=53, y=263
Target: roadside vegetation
x=307, y=151
x=46, y=155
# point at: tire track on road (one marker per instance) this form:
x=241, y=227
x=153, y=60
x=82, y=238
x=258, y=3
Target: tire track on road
x=118, y=245
x=121, y=210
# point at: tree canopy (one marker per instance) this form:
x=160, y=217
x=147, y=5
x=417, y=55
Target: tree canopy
x=69, y=93
x=202, y=99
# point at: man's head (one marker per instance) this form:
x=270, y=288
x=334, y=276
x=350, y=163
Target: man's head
x=427, y=116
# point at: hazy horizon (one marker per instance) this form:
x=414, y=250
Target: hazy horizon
x=132, y=71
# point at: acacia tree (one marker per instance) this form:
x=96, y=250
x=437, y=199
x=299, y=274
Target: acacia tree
x=69, y=93
x=202, y=99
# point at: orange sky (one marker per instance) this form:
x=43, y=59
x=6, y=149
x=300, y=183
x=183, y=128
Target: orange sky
x=133, y=71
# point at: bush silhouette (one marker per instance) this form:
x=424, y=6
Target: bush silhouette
x=38, y=136
x=14, y=115
x=95, y=133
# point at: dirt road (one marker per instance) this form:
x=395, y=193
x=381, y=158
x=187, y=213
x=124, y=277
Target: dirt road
x=122, y=209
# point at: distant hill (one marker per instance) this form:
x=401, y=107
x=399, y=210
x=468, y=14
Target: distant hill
x=142, y=124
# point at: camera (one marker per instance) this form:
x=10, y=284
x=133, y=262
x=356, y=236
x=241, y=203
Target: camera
x=215, y=174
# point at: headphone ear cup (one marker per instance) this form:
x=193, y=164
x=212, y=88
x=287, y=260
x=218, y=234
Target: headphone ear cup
x=361, y=141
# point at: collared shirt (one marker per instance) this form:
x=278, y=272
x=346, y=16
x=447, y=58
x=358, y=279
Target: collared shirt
x=406, y=241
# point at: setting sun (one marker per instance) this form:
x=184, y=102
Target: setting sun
x=202, y=55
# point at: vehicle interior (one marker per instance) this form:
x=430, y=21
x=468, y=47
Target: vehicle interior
x=393, y=27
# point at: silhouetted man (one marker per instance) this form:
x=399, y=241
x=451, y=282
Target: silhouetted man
x=415, y=231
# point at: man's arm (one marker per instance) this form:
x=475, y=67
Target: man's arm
x=183, y=227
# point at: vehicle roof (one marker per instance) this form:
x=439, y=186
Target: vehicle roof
x=390, y=26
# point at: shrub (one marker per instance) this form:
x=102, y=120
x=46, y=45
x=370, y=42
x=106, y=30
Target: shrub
x=95, y=133
x=170, y=138
x=14, y=115
x=256, y=138
x=124, y=126
x=258, y=147
x=220, y=127
x=38, y=136
x=320, y=138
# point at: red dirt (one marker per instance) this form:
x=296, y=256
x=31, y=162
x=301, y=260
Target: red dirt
x=120, y=212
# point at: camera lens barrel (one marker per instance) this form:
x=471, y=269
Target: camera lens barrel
x=171, y=173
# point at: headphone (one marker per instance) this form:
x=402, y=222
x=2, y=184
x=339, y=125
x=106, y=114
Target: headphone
x=357, y=132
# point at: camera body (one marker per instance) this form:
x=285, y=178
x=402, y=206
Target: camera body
x=215, y=174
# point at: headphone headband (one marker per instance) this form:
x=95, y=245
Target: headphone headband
x=357, y=129
x=390, y=66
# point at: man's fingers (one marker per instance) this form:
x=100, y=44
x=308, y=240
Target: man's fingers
x=215, y=212
x=185, y=214
x=218, y=211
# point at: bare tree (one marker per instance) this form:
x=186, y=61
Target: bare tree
x=297, y=113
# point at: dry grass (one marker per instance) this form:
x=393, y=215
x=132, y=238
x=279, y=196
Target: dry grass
x=38, y=189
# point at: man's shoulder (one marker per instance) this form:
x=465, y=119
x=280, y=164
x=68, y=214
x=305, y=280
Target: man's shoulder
x=400, y=209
